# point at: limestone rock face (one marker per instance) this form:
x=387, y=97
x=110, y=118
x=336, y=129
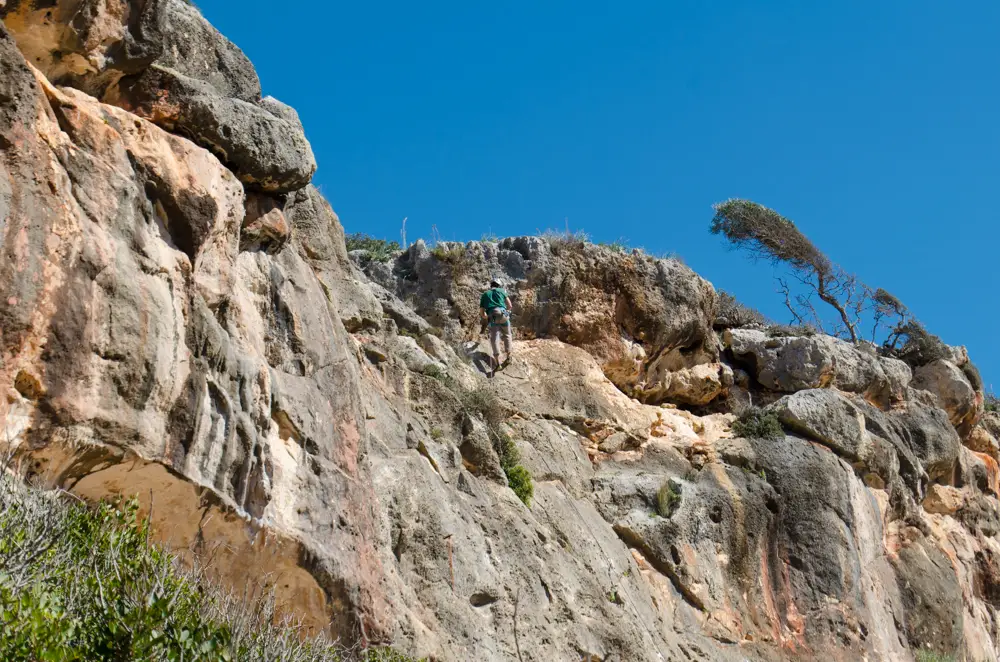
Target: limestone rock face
x=175, y=324
x=649, y=321
x=954, y=392
x=790, y=364
x=161, y=60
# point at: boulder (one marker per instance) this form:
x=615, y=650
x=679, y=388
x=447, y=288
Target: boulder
x=787, y=364
x=267, y=152
x=194, y=48
x=953, y=390
x=943, y=500
x=162, y=60
x=264, y=225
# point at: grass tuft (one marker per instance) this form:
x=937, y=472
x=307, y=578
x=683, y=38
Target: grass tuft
x=379, y=250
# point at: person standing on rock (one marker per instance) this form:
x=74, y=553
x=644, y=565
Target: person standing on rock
x=494, y=309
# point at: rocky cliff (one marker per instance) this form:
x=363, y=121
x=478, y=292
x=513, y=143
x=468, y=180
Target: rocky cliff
x=180, y=319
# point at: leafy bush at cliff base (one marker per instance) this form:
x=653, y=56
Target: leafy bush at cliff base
x=757, y=423
x=80, y=584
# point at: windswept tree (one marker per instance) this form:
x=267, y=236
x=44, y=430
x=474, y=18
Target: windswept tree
x=767, y=235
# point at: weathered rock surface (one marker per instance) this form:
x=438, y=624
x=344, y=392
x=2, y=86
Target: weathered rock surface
x=329, y=425
x=789, y=364
x=649, y=321
x=161, y=60
x=954, y=392
x=266, y=151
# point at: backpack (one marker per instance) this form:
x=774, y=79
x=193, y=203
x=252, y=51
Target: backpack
x=499, y=316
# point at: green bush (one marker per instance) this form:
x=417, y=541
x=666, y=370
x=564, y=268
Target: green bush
x=484, y=403
x=667, y=499
x=519, y=480
x=992, y=403
x=931, y=656
x=379, y=250
x=80, y=584
x=757, y=423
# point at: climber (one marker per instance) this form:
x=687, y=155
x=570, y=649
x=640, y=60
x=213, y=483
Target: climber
x=494, y=309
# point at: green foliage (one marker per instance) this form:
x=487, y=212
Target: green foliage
x=668, y=498
x=992, y=403
x=923, y=655
x=766, y=234
x=437, y=434
x=565, y=240
x=519, y=480
x=619, y=245
x=757, y=423
x=484, y=403
x=919, y=347
x=379, y=250
x=450, y=253
x=79, y=584
x=791, y=331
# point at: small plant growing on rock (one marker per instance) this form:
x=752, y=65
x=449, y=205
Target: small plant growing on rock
x=668, y=498
x=519, y=480
x=565, y=239
x=731, y=314
x=919, y=346
x=992, y=403
x=619, y=245
x=932, y=656
x=757, y=423
x=379, y=250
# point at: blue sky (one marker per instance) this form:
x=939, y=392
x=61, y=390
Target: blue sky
x=874, y=126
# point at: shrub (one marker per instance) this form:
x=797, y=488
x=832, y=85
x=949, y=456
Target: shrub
x=932, y=656
x=992, y=403
x=565, y=239
x=790, y=331
x=86, y=584
x=667, y=499
x=731, y=314
x=619, y=245
x=919, y=347
x=757, y=423
x=484, y=403
x=519, y=480
x=379, y=250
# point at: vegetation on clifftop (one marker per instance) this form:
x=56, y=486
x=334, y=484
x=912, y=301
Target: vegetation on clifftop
x=79, y=583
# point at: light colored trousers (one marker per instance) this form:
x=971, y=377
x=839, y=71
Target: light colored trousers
x=508, y=339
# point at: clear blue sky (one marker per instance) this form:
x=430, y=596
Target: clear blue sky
x=874, y=125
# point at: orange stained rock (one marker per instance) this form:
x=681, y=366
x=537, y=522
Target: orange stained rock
x=992, y=472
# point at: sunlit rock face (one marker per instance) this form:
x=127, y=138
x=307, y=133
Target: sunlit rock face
x=180, y=320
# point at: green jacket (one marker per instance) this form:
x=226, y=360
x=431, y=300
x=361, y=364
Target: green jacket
x=494, y=298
